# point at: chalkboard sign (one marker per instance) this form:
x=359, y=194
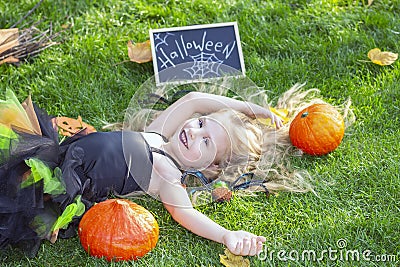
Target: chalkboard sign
x=194, y=53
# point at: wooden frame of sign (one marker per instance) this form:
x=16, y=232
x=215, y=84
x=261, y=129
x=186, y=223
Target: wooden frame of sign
x=196, y=53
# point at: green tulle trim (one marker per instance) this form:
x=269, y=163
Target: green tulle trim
x=11, y=100
x=48, y=222
x=52, y=180
x=75, y=209
x=13, y=113
x=6, y=136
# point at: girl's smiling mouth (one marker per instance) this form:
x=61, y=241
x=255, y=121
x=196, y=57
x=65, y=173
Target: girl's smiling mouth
x=183, y=138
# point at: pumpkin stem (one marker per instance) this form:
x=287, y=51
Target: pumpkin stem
x=305, y=114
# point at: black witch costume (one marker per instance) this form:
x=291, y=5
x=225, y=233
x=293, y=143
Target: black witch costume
x=46, y=186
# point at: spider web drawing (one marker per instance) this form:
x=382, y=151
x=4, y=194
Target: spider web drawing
x=204, y=64
x=162, y=39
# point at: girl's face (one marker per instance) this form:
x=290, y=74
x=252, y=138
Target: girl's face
x=200, y=142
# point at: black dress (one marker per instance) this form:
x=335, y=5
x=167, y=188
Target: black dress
x=80, y=171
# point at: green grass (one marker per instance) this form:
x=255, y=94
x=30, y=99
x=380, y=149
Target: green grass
x=323, y=43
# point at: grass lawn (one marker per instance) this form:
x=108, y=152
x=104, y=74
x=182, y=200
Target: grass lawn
x=323, y=43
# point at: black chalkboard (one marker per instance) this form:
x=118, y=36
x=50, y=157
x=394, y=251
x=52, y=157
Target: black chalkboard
x=193, y=53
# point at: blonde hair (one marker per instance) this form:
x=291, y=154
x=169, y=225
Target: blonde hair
x=244, y=139
x=265, y=151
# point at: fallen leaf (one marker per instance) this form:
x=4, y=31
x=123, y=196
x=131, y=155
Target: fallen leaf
x=7, y=35
x=232, y=260
x=139, y=52
x=382, y=58
x=281, y=113
x=9, y=59
x=370, y=3
x=8, y=39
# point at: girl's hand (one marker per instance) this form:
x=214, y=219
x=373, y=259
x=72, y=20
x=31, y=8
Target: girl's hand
x=275, y=119
x=243, y=243
x=261, y=112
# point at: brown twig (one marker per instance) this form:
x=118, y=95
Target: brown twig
x=27, y=14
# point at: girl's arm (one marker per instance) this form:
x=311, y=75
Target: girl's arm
x=196, y=102
x=177, y=202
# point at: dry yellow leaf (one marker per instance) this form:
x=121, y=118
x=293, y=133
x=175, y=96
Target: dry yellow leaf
x=140, y=52
x=282, y=113
x=232, y=260
x=382, y=58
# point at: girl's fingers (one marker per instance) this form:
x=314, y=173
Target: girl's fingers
x=259, y=247
x=278, y=122
x=253, y=249
x=238, y=248
x=261, y=239
x=246, y=246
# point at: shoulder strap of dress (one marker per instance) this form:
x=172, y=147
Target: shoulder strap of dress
x=165, y=139
x=159, y=151
x=162, y=152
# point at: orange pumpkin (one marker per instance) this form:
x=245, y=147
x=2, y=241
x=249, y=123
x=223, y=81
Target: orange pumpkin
x=317, y=129
x=118, y=229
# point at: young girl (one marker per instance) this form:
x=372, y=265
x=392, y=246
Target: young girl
x=43, y=184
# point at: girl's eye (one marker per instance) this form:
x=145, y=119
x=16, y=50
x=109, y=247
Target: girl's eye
x=206, y=140
x=200, y=123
